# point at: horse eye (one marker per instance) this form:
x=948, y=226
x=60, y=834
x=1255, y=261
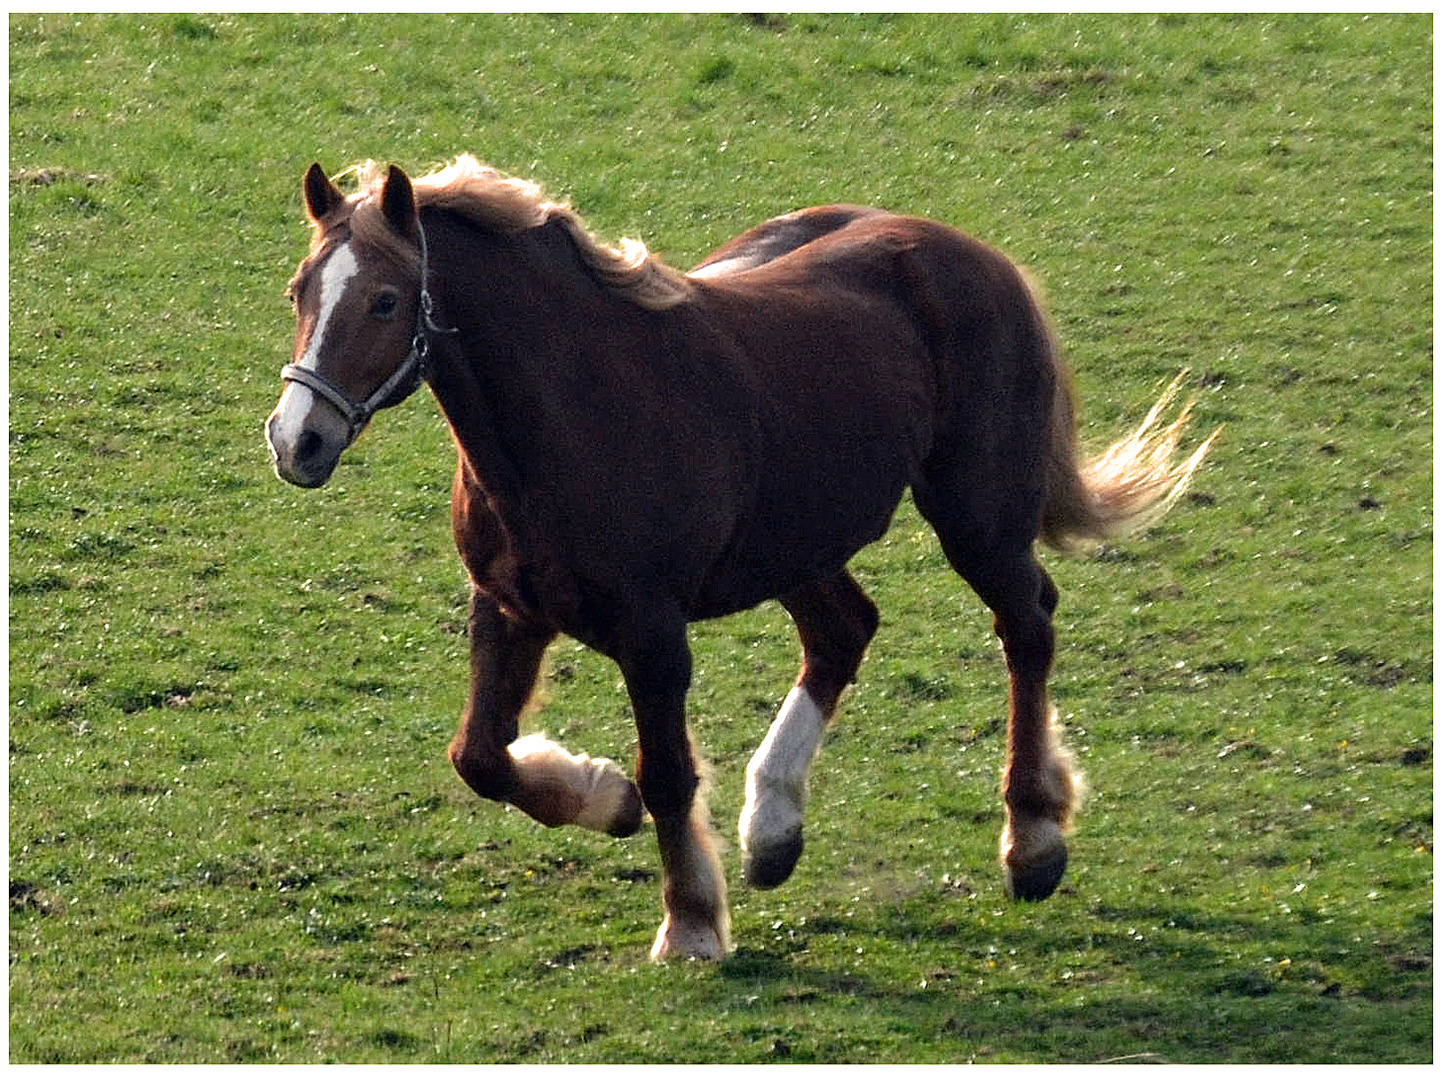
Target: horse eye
x=385, y=306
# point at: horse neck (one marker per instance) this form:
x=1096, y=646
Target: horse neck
x=531, y=322
x=528, y=296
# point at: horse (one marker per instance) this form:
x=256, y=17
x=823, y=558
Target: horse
x=640, y=447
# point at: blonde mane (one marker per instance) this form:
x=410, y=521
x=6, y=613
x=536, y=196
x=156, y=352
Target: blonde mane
x=507, y=204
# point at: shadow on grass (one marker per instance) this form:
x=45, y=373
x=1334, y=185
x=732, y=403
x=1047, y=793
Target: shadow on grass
x=1157, y=985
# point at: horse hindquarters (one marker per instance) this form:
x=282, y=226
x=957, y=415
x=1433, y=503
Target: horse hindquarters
x=983, y=490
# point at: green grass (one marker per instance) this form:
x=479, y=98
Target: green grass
x=234, y=834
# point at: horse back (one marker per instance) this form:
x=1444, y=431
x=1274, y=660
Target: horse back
x=779, y=236
x=858, y=295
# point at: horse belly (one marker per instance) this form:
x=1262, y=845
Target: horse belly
x=842, y=433
x=803, y=531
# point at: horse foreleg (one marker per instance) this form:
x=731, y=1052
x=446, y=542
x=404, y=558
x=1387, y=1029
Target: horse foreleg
x=559, y=788
x=835, y=622
x=535, y=775
x=695, y=906
x=656, y=667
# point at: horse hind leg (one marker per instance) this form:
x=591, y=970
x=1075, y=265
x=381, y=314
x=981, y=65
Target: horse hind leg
x=835, y=622
x=534, y=774
x=1040, y=781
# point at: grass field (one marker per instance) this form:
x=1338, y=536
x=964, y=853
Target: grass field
x=234, y=835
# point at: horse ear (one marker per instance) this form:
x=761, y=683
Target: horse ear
x=398, y=205
x=321, y=195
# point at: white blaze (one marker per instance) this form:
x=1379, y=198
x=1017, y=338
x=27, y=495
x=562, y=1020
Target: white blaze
x=296, y=400
x=337, y=272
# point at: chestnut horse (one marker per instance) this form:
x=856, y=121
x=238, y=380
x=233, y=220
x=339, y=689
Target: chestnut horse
x=640, y=447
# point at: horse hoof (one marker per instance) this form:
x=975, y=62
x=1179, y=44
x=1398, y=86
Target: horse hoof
x=629, y=817
x=767, y=866
x=678, y=940
x=1037, y=881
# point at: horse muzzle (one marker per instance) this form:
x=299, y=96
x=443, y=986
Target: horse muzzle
x=305, y=453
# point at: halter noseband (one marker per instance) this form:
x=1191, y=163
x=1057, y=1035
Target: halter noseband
x=400, y=384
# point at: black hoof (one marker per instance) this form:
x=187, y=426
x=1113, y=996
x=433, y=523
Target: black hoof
x=1031, y=883
x=630, y=815
x=771, y=866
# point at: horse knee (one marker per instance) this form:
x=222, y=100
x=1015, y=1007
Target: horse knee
x=489, y=775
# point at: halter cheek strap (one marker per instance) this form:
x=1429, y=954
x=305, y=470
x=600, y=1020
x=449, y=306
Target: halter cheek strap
x=356, y=413
x=397, y=386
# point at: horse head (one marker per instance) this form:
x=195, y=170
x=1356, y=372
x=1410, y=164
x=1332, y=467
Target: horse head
x=361, y=323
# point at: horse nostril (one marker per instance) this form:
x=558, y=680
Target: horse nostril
x=308, y=445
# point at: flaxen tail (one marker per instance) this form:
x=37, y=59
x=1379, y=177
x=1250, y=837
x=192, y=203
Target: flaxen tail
x=1129, y=486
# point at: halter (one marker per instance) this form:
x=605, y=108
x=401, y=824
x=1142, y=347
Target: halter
x=400, y=384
